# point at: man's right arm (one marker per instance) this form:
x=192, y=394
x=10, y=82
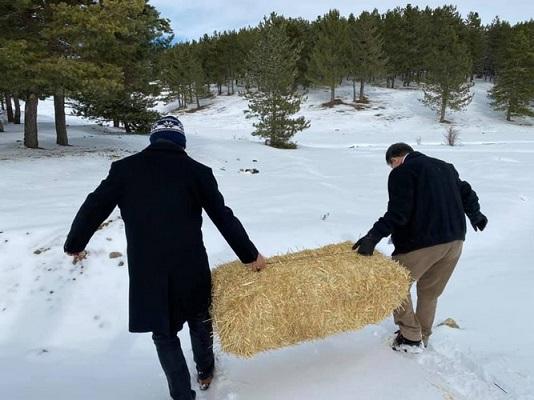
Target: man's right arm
x=401, y=198
x=95, y=209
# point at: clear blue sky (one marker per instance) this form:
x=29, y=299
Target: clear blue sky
x=190, y=19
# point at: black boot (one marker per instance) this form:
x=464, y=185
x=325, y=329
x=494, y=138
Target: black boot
x=406, y=345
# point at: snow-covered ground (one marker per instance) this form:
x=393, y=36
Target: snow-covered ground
x=63, y=327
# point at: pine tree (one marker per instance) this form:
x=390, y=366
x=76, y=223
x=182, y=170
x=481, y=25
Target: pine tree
x=71, y=68
x=229, y=56
x=474, y=38
x=272, y=65
x=212, y=60
x=328, y=62
x=514, y=84
x=62, y=48
x=129, y=35
x=300, y=31
x=183, y=74
x=409, y=44
x=23, y=55
x=391, y=27
x=446, y=84
x=497, y=37
x=366, y=58
x=198, y=75
x=12, y=62
x=406, y=42
x=246, y=39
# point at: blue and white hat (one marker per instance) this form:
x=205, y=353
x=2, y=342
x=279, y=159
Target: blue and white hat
x=168, y=128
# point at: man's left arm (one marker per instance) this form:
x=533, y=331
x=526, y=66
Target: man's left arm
x=471, y=204
x=96, y=208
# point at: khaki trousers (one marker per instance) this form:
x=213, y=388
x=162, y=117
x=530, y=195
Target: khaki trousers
x=431, y=267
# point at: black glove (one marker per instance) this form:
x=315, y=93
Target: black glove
x=365, y=245
x=479, y=222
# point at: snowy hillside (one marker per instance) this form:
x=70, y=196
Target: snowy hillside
x=63, y=327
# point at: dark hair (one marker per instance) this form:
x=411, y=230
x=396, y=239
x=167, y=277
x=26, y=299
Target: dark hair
x=397, y=150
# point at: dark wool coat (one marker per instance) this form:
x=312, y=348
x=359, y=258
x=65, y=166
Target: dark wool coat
x=161, y=192
x=427, y=205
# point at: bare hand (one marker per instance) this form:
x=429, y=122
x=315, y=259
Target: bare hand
x=77, y=257
x=259, y=264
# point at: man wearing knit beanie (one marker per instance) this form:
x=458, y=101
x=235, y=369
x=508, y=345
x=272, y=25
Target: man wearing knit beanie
x=169, y=129
x=161, y=193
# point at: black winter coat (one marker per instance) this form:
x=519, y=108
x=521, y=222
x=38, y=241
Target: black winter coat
x=427, y=205
x=161, y=192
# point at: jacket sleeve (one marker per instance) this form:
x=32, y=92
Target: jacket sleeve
x=469, y=198
x=95, y=209
x=401, y=188
x=222, y=216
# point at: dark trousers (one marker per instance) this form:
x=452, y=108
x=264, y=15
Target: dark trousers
x=172, y=358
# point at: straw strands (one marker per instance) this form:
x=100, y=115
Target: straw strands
x=302, y=296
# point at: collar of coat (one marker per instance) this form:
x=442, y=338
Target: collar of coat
x=163, y=145
x=412, y=155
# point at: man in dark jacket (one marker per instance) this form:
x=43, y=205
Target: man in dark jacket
x=426, y=220
x=161, y=193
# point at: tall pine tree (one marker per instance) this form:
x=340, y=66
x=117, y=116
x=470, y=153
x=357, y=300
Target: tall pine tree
x=272, y=65
x=328, y=62
x=391, y=27
x=446, y=85
x=183, y=75
x=130, y=35
x=514, y=84
x=366, y=58
x=497, y=37
x=474, y=38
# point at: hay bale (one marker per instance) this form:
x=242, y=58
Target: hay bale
x=303, y=296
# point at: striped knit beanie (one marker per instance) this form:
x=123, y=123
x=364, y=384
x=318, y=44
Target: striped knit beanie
x=168, y=128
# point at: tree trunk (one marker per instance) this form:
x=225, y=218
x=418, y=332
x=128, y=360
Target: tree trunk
x=233, y=87
x=219, y=89
x=227, y=88
x=30, y=121
x=2, y=103
x=442, y=111
x=9, y=109
x=16, y=118
x=332, y=93
x=509, y=112
x=198, y=100
x=116, y=123
x=61, y=123
x=127, y=127
x=362, y=83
